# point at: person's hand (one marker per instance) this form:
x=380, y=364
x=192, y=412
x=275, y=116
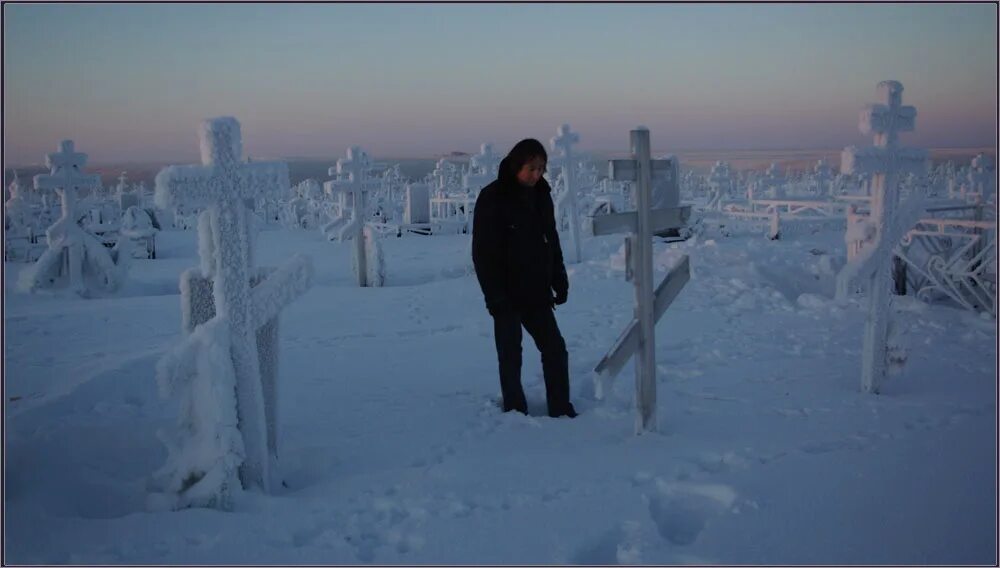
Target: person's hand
x=560, y=297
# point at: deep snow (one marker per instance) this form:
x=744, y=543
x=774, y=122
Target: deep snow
x=394, y=451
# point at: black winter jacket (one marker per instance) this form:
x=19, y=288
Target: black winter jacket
x=515, y=245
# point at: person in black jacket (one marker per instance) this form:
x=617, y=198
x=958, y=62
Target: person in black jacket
x=519, y=264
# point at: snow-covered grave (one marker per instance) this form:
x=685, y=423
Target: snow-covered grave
x=369, y=263
x=226, y=433
x=566, y=201
x=20, y=231
x=74, y=258
x=137, y=227
x=886, y=161
x=638, y=337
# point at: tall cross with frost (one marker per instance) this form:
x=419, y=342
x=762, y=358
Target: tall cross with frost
x=353, y=168
x=887, y=162
x=222, y=183
x=563, y=143
x=650, y=305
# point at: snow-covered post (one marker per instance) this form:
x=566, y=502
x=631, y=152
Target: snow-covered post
x=563, y=143
x=886, y=161
x=82, y=249
x=638, y=338
x=222, y=184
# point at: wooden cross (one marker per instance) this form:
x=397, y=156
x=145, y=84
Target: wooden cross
x=222, y=184
x=563, y=144
x=886, y=161
x=638, y=336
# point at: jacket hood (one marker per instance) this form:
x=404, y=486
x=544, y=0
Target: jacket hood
x=507, y=176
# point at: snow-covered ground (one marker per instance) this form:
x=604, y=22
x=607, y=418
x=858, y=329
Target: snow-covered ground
x=394, y=451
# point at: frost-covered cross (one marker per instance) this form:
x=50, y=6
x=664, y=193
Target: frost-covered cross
x=981, y=177
x=563, y=143
x=719, y=181
x=223, y=183
x=486, y=160
x=354, y=167
x=83, y=251
x=638, y=337
x=887, y=162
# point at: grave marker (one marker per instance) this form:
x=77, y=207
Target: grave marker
x=563, y=143
x=886, y=161
x=222, y=184
x=638, y=338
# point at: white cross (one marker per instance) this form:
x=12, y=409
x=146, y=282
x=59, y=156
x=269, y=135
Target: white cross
x=649, y=305
x=719, y=181
x=563, y=144
x=486, y=160
x=886, y=161
x=222, y=183
x=66, y=176
x=354, y=168
x=980, y=176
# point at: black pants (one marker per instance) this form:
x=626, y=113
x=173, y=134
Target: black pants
x=541, y=324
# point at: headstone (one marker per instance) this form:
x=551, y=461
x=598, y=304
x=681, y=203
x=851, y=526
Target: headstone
x=638, y=338
x=222, y=183
x=886, y=161
x=418, y=204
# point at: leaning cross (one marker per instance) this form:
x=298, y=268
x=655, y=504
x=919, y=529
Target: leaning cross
x=638, y=336
x=222, y=183
x=887, y=162
x=563, y=144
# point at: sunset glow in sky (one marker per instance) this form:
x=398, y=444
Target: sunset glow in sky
x=132, y=82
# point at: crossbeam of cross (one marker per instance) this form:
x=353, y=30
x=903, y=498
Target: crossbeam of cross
x=638, y=338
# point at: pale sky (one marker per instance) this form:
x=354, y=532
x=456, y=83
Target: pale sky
x=131, y=82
